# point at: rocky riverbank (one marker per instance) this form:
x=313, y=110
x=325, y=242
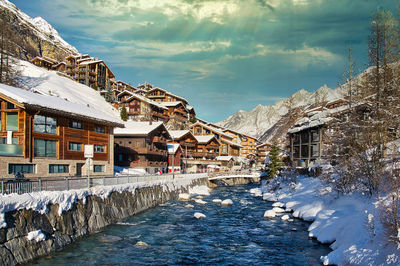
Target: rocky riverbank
x=28, y=233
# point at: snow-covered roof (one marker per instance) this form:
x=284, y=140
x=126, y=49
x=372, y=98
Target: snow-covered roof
x=224, y=158
x=262, y=145
x=43, y=59
x=211, y=129
x=172, y=104
x=135, y=128
x=146, y=100
x=90, y=62
x=56, y=105
x=169, y=93
x=177, y=134
x=204, y=139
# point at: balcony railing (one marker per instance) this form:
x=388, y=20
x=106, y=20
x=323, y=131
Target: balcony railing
x=150, y=150
x=159, y=139
x=11, y=150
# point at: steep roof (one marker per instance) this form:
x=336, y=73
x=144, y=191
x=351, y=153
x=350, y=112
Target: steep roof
x=204, y=139
x=172, y=147
x=56, y=105
x=144, y=99
x=169, y=93
x=177, y=134
x=224, y=158
x=211, y=129
x=135, y=128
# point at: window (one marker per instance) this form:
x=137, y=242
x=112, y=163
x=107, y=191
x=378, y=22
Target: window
x=304, y=151
x=99, y=148
x=75, y=124
x=23, y=168
x=73, y=146
x=98, y=168
x=10, y=106
x=304, y=137
x=314, y=150
x=225, y=149
x=12, y=121
x=314, y=135
x=99, y=129
x=296, y=139
x=44, y=124
x=4, y=141
x=45, y=148
x=58, y=168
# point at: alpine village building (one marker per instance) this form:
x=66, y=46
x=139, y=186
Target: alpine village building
x=142, y=145
x=43, y=135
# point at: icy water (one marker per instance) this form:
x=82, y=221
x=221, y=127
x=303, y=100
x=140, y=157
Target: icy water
x=235, y=235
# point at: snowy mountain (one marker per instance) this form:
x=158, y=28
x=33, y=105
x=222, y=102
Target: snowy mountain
x=35, y=32
x=257, y=121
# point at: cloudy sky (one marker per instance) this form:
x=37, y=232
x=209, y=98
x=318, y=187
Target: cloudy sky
x=222, y=55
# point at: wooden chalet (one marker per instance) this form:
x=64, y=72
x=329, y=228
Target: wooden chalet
x=44, y=62
x=262, y=152
x=308, y=135
x=248, y=142
x=142, y=145
x=160, y=95
x=227, y=162
x=177, y=112
x=188, y=144
x=207, y=149
x=227, y=144
x=139, y=108
x=43, y=135
x=89, y=71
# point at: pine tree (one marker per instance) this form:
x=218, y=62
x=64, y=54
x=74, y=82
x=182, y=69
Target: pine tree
x=124, y=114
x=275, y=163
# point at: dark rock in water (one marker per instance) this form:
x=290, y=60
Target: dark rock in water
x=110, y=238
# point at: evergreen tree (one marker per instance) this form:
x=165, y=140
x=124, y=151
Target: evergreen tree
x=275, y=163
x=124, y=114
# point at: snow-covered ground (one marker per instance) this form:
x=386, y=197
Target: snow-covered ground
x=351, y=224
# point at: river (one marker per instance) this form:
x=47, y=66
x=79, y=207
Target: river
x=235, y=235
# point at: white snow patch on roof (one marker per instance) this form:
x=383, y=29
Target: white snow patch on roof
x=137, y=128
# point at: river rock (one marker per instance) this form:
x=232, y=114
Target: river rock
x=226, y=202
x=285, y=217
x=189, y=206
x=217, y=200
x=269, y=214
x=278, y=204
x=142, y=244
x=269, y=197
x=184, y=196
x=199, y=215
x=200, y=201
x=278, y=210
x=199, y=197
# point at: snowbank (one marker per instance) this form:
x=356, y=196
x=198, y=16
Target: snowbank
x=350, y=223
x=200, y=190
x=37, y=236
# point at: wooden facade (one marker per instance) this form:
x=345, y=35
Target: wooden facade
x=44, y=143
x=262, y=152
x=142, y=150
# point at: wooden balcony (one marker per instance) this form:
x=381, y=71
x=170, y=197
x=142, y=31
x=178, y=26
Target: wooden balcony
x=150, y=150
x=160, y=115
x=158, y=139
x=148, y=164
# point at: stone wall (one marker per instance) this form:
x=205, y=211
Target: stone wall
x=86, y=217
x=236, y=181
